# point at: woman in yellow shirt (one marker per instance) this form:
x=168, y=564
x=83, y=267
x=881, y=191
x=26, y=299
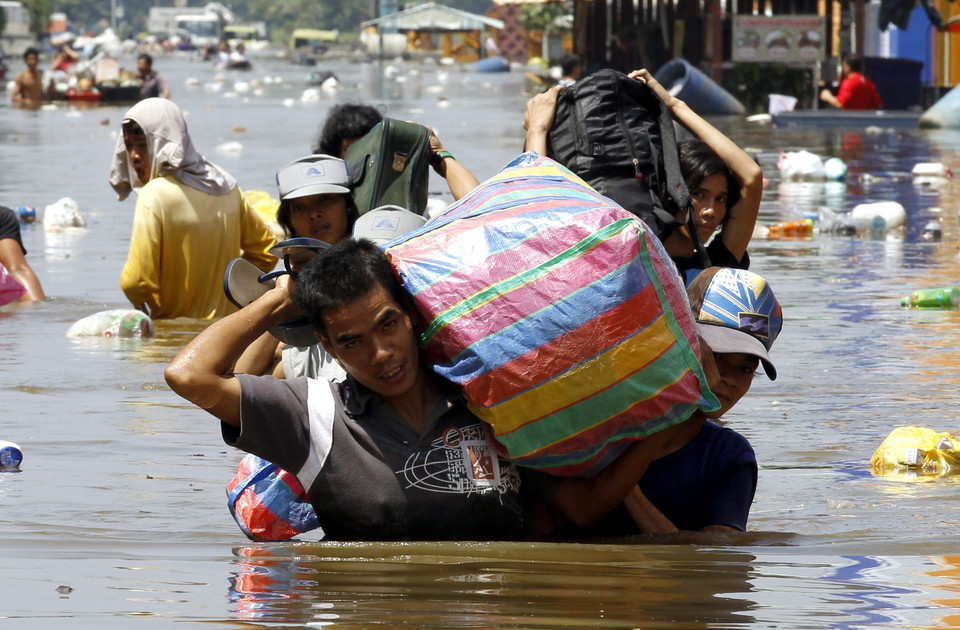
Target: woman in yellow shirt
x=191, y=218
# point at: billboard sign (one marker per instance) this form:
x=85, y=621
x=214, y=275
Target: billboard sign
x=793, y=39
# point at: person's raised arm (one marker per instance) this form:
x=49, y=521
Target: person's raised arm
x=460, y=180
x=261, y=357
x=539, y=118
x=201, y=372
x=645, y=514
x=738, y=227
x=11, y=257
x=828, y=97
x=585, y=500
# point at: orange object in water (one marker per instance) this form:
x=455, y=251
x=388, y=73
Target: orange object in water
x=792, y=229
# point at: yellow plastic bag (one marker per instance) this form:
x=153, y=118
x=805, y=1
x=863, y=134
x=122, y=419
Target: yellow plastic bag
x=917, y=451
x=266, y=206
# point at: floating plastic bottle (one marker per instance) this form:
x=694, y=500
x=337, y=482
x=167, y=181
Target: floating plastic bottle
x=943, y=297
x=830, y=222
x=834, y=168
x=114, y=323
x=932, y=169
x=10, y=457
x=891, y=211
x=27, y=214
x=802, y=228
x=931, y=232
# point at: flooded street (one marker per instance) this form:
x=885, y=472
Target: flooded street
x=119, y=516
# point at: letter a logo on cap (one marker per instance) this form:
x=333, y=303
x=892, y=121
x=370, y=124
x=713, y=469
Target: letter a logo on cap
x=314, y=170
x=387, y=223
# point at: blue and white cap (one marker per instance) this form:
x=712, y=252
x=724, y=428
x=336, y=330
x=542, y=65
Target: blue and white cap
x=313, y=175
x=739, y=313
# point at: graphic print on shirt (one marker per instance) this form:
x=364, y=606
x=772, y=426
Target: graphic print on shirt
x=460, y=462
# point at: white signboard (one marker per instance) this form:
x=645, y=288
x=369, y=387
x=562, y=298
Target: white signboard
x=787, y=39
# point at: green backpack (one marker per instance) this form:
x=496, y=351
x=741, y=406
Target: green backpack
x=390, y=165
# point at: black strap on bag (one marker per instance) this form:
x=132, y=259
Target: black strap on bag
x=676, y=186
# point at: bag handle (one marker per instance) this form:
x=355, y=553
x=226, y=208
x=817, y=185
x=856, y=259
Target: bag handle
x=676, y=187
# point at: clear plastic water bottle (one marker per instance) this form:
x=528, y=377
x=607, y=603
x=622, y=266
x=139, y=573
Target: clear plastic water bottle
x=10, y=457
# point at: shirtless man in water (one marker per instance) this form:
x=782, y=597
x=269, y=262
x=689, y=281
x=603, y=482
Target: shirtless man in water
x=28, y=85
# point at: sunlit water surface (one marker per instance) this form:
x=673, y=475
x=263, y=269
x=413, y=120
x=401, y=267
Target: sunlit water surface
x=119, y=519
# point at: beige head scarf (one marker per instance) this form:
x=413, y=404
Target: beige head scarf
x=171, y=152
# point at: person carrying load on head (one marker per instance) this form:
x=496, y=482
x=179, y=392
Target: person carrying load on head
x=392, y=453
x=707, y=479
x=348, y=122
x=725, y=183
x=190, y=221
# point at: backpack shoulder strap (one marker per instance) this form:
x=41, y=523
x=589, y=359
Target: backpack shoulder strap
x=676, y=186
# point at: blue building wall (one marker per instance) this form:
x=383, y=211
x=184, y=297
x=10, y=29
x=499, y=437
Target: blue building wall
x=916, y=42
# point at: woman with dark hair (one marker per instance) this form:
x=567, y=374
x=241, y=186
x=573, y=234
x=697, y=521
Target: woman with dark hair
x=315, y=199
x=315, y=202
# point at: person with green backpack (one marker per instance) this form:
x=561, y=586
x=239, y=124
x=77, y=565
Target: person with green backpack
x=388, y=158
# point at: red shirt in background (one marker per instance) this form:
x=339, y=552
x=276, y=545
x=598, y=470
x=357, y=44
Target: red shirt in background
x=859, y=92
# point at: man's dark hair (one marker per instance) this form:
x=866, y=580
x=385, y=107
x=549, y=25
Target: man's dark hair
x=343, y=273
x=568, y=64
x=855, y=62
x=283, y=216
x=146, y=58
x=698, y=162
x=345, y=121
x=30, y=51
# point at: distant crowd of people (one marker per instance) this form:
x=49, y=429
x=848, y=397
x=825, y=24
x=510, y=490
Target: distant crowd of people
x=31, y=88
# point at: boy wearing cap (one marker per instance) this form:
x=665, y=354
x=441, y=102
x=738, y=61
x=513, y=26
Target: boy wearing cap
x=707, y=479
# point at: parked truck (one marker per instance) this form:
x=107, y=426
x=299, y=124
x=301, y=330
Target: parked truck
x=201, y=25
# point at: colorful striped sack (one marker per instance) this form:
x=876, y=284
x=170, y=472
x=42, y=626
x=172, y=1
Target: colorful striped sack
x=559, y=315
x=268, y=503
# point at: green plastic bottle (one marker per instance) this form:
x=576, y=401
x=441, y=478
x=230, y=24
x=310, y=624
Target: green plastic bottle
x=944, y=297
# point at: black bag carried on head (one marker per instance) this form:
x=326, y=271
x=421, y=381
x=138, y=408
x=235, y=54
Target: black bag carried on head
x=616, y=134
x=390, y=165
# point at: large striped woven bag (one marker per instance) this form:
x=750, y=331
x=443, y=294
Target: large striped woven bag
x=559, y=315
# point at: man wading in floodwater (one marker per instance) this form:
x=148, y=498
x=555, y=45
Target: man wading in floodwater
x=392, y=453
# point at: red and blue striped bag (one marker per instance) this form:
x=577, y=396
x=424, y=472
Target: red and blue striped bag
x=559, y=315
x=268, y=503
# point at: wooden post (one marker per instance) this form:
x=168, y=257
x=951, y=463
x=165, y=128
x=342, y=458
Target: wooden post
x=715, y=37
x=858, y=24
